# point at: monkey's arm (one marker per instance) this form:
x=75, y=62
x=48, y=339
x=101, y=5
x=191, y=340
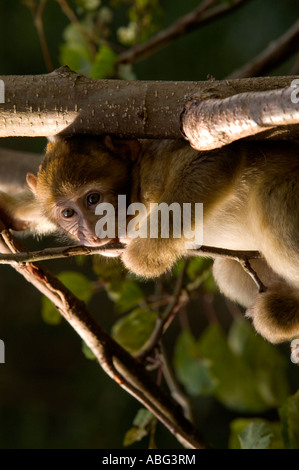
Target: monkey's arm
x=185, y=177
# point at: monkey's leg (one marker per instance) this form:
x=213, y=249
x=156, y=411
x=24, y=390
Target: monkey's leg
x=276, y=312
x=236, y=284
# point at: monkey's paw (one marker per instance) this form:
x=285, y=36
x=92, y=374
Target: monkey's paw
x=150, y=258
x=275, y=313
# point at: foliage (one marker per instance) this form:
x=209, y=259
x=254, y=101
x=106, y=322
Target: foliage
x=90, y=46
x=144, y=423
x=244, y=372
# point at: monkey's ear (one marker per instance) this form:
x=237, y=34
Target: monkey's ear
x=125, y=148
x=31, y=181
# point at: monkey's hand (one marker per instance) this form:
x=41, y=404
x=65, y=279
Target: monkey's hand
x=151, y=257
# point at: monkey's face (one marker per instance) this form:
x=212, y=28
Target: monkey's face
x=76, y=214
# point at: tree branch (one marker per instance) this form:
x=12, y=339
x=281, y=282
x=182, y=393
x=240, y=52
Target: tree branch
x=276, y=52
x=199, y=17
x=115, y=248
x=210, y=123
x=163, y=320
x=66, y=103
x=115, y=361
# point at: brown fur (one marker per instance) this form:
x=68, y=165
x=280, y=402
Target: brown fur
x=250, y=196
x=58, y=176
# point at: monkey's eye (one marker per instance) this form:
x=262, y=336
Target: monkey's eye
x=67, y=213
x=93, y=198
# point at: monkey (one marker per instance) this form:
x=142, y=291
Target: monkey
x=250, y=196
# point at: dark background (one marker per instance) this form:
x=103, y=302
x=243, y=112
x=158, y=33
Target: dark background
x=51, y=396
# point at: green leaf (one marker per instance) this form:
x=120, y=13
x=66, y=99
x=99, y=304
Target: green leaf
x=209, y=284
x=236, y=388
x=133, y=331
x=104, y=64
x=80, y=286
x=199, y=271
x=129, y=297
x=134, y=435
x=256, y=436
x=141, y=427
x=126, y=72
x=127, y=34
x=87, y=351
x=143, y=418
x=178, y=267
x=49, y=312
x=111, y=273
x=244, y=384
x=88, y=5
x=192, y=370
x=197, y=266
x=255, y=427
x=75, y=52
x=289, y=414
x=265, y=361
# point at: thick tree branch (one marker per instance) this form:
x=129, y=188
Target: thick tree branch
x=212, y=123
x=66, y=103
x=116, y=362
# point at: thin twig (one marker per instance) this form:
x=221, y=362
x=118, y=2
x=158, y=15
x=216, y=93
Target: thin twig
x=175, y=388
x=212, y=252
x=69, y=251
x=163, y=320
x=69, y=13
x=38, y=21
x=200, y=16
x=251, y=272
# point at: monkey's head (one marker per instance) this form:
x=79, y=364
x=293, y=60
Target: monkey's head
x=76, y=175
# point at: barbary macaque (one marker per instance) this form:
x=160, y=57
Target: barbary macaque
x=250, y=197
